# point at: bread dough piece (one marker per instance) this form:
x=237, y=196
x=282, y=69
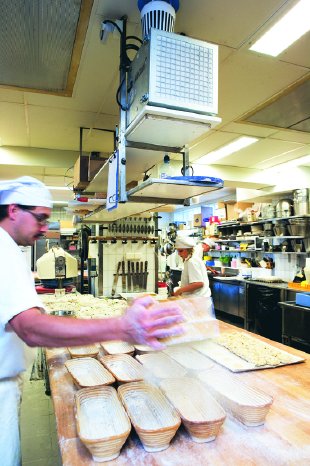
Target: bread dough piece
x=253, y=350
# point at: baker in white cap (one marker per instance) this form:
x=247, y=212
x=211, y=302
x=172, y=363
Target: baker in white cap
x=194, y=278
x=203, y=248
x=25, y=207
x=207, y=244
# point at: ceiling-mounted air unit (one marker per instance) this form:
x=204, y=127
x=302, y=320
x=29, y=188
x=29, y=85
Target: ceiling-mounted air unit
x=172, y=90
x=168, y=98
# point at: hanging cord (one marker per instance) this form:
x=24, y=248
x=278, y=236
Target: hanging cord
x=125, y=61
x=135, y=38
x=118, y=97
x=132, y=47
x=70, y=183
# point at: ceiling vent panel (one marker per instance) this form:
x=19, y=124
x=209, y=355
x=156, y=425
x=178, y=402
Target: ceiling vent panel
x=291, y=110
x=40, y=43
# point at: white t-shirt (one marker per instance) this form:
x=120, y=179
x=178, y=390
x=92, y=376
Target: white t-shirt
x=195, y=271
x=17, y=294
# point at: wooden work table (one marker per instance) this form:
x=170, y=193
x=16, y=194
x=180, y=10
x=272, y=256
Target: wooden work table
x=284, y=439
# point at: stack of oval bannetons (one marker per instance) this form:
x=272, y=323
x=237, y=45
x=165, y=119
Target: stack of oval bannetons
x=121, y=388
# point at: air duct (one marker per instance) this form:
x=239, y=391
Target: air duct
x=158, y=14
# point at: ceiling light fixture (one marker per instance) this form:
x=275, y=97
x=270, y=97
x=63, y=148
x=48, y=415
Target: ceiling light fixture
x=286, y=31
x=229, y=149
x=299, y=162
x=58, y=188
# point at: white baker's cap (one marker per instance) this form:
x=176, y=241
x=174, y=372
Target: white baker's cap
x=184, y=243
x=25, y=191
x=209, y=242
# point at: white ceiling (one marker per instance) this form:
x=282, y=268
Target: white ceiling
x=40, y=132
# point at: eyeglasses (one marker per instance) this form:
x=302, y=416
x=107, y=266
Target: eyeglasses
x=40, y=218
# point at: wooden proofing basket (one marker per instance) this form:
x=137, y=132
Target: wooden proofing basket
x=117, y=347
x=153, y=418
x=201, y=415
x=88, y=372
x=83, y=351
x=143, y=349
x=161, y=365
x=123, y=367
x=189, y=357
x=102, y=423
x=248, y=405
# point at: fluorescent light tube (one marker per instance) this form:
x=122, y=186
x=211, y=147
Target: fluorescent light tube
x=224, y=151
x=286, y=31
x=58, y=188
x=299, y=162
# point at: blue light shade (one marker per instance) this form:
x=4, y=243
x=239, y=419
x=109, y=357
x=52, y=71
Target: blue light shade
x=174, y=3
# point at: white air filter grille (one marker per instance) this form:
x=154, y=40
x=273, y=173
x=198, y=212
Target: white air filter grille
x=184, y=72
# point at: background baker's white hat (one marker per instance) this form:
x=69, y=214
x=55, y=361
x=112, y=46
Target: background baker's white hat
x=25, y=191
x=209, y=242
x=184, y=243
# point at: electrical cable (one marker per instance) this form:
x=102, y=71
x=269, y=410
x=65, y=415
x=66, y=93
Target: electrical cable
x=66, y=176
x=125, y=60
x=135, y=38
x=109, y=21
x=118, y=97
x=132, y=47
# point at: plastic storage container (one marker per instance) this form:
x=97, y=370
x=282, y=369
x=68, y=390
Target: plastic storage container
x=301, y=199
x=303, y=299
x=162, y=289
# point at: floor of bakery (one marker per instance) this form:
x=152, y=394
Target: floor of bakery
x=38, y=429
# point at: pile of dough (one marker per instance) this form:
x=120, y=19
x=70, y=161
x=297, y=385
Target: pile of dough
x=253, y=350
x=85, y=306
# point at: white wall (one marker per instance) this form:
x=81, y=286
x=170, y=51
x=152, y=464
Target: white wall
x=113, y=253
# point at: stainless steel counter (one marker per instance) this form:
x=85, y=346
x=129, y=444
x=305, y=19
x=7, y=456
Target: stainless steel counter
x=237, y=279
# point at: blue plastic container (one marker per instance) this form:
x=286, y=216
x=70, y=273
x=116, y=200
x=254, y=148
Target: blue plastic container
x=303, y=299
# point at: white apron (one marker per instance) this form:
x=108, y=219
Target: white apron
x=10, y=400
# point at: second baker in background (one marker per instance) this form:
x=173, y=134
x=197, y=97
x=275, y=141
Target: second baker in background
x=194, y=278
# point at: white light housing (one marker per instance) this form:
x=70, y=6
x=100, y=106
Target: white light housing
x=286, y=31
x=299, y=162
x=229, y=149
x=59, y=188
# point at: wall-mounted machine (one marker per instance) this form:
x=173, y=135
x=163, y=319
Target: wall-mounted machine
x=57, y=268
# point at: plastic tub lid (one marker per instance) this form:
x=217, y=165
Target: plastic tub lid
x=162, y=285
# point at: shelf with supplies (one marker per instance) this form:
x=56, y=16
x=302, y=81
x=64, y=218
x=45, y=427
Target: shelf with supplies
x=289, y=245
x=237, y=239
x=231, y=223
x=286, y=234
x=242, y=244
